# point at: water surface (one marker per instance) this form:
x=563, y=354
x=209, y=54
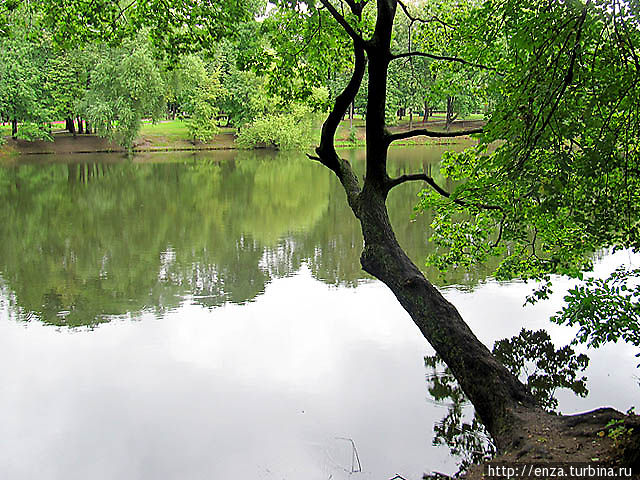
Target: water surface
x=204, y=315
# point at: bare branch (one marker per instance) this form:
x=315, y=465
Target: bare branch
x=430, y=133
x=120, y=14
x=326, y=151
x=499, y=239
x=394, y=182
x=343, y=23
x=568, y=78
x=308, y=42
x=444, y=58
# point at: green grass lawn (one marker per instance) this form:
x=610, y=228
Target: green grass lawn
x=5, y=130
x=474, y=116
x=170, y=131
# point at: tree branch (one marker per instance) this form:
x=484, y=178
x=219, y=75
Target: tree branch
x=392, y=137
x=413, y=18
x=394, y=182
x=308, y=42
x=343, y=23
x=444, y=58
x=356, y=7
x=326, y=151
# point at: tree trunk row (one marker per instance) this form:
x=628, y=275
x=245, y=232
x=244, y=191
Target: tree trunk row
x=83, y=126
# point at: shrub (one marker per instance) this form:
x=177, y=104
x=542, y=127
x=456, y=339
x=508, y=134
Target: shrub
x=33, y=131
x=284, y=131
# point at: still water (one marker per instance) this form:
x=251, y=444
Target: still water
x=204, y=316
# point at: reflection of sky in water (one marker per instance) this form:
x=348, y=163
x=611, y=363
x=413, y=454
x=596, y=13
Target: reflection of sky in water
x=260, y=390
x=263, y=386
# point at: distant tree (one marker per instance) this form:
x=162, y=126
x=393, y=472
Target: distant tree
x=289, y=129
x=65, y=84
x=198, y=95
x=21, y=87
x=125, y=87
x=244, y=97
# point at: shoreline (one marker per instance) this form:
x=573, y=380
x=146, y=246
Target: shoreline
x=66, y=144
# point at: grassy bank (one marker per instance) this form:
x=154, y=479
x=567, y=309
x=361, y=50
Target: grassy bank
x=174, y=135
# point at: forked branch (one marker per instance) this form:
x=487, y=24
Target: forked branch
x=414, y=18
x=355, y=36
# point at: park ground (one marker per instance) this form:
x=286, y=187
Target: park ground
x=170, y=135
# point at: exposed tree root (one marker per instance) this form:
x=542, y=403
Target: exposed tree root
x=603, y=436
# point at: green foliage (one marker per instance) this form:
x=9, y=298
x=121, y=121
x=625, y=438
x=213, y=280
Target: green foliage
x=606, y=310
x=65, y=82
x=182, y=26
x=353, y=135
x=125, y=86
x=283, y=131
x=202, y=124
x=21, y=79
x=245, y=98
x=616, y=431
x=301, y=40
x=34, y=131
x=319, y=100
x=197, y=94
x=554, y=178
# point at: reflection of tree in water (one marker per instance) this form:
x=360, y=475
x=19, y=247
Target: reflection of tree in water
x=81, y=243
x=463, y=433
x=529, y=355
x=532, y=356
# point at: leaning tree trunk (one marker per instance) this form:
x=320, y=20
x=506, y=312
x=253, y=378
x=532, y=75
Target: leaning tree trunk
x=503, y=403
x=493, y=390
x=495, y=393
x=500, y=399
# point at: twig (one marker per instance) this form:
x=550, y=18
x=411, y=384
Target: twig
x=443, y=58
x=394, y=182
x=354, y=456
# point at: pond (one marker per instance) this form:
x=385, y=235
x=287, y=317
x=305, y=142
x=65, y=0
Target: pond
x=204, y=315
